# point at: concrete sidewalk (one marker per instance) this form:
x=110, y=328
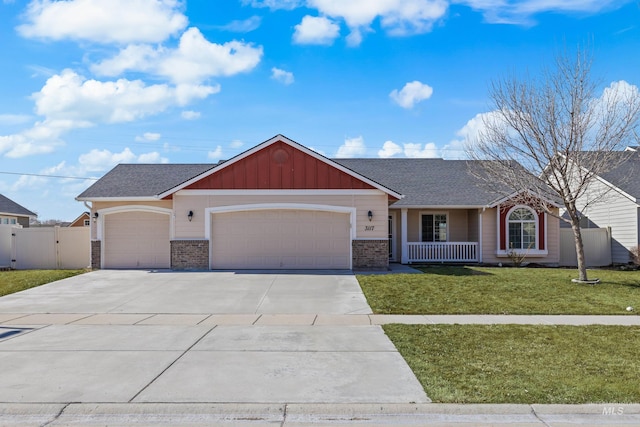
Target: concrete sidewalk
x=26, y=320
x=217, y=414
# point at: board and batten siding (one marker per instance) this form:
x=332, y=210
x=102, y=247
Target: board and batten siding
x=377, y=203
x=618, y=212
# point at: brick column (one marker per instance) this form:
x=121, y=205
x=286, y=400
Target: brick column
x=190, y=254
x=373, y=254
x=95, y=254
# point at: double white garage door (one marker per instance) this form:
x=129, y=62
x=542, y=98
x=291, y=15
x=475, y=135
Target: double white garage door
x=281, y=239
x=262, y=239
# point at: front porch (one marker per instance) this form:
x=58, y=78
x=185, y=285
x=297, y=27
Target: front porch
x=442, y=252
x=429, y=235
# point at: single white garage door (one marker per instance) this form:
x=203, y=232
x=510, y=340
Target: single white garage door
x=136, y=240
x=281, y=239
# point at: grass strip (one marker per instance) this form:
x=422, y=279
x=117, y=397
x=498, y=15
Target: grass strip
x=522, y=363
x=18, y=280
x=486, y=290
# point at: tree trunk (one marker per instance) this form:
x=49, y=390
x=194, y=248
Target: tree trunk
x=577, y=234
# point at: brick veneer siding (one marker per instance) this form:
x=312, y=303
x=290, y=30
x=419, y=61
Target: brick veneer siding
x=190, y=254
x=95, y=254
x=370, y=254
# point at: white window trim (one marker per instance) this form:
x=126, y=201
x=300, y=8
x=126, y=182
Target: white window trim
x=434, y=213
x=529, y=252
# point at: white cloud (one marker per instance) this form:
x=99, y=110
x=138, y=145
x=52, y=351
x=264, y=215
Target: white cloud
x=194, y=61
x=284, y=77
x=414, y=150
x=215, y=154
x=521, y=12
x=618, y=95
x=412, y=93
x=243, y=26
x=236, y=143
x=113, y=21
x=96, y=161
x=316, y=30
x=148, y=136
x=389, y=149
x=19, y=145
x=190, y=115
x=352, y=147
x=69, y=101
x=397, y=17
x=430, y=150
x=274, y=4
x=468, y=135
x=69, y=96
x=101, y=160
x=153, y=157
x=141, y=58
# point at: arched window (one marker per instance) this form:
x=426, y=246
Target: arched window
x=521, y=226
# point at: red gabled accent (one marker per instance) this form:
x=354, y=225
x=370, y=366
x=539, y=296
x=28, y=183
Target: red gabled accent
x=279, y=166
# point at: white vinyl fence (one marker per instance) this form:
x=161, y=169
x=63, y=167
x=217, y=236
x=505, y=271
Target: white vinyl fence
x=5, y=245
x=46, y=248
x=597, y=247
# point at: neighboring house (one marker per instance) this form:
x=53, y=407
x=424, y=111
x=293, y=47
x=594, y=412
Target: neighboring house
x=84, y=220
x=619, y=208
x=12, y=213
x=282, y=205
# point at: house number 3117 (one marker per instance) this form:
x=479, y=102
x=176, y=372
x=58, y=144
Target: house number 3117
x=368, y=227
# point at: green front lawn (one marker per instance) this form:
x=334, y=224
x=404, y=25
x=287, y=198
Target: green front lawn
x=522, y=364
x=19, y=280
x=493, y=290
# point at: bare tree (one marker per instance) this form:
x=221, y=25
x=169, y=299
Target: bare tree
x=549, y=137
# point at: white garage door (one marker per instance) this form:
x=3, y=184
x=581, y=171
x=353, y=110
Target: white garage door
x=136, y=240
x=281, y=239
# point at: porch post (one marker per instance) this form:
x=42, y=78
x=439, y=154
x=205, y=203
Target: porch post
x=480, y=212
x=404, y=259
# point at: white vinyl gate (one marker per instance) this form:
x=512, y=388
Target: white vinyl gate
x=597, y=247
x=50, y=248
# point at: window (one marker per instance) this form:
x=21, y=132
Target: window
x=434, y=227
x=87, y=222
x=521, y=225
x=13, y=221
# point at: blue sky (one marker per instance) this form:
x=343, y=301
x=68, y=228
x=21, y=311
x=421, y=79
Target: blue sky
x=88, y=84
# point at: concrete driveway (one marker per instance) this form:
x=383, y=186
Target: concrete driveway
x=244, y=337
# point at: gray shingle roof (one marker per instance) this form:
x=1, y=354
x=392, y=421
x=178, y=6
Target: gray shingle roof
x=8, y=206
x=142, y=180
x=424, y=182
x=627, y=175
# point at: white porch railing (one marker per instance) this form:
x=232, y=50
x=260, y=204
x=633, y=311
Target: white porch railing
x=442, y=251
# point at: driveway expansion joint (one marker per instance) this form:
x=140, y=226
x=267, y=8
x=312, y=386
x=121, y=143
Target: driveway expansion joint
x=171, y=364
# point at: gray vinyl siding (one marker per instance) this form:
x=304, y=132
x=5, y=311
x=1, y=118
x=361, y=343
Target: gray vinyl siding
x=620, y=214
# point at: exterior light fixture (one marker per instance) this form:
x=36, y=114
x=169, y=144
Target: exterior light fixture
x=190, y=216
x=370, y=215
x=95, y=216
